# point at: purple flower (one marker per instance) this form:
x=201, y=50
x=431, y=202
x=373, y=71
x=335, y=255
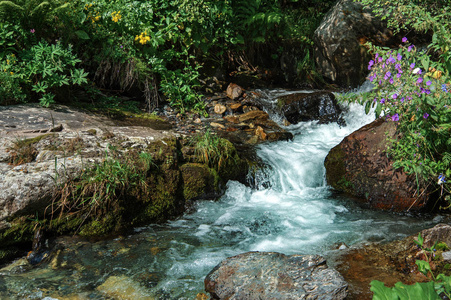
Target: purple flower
x=382, y=101
x=379, y=59
x=391, y=81
x=398, y=66
x=399, y=56
x=426, y=115
x=403, y=99
x=412, y=65
x=391, y=60
x=370, y=64
x=394, y=96
x=428, y=82
x=387, y=75
x=395, y=118
x=404, y=40
x=409, y=48
x=398, y=75
x=377, y=55
x=419, y=80
x=444, y=88
x=32, y=30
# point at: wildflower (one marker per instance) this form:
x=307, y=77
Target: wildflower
x=394, y=96
x=409, y=48
x=395, y=118
x=428, y=82
x=382, y=101
x=404, y=40
x=32, y=30
x=398, y=75
x=391, y=60
x=441, y=179
x=399, y=56
x=387, y=75
x=444, y=88
x=419, y=80
x=370, y=64
x=391, y=81
x=416, y=71
x=412, y=65
x=116, y=16
x=426, y=115
x=403, y=99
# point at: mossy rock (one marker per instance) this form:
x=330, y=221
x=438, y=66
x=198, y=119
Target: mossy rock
x=199, y=181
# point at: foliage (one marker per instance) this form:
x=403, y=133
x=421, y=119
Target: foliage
x=157, y=46
x=211, y=149
x=414, y=95
x=430, y=17
x=439, y=286
x=96, y=189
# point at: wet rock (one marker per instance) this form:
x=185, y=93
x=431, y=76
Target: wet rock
x=234, y=91
x=220, y=109
x=301, y=107
x=389, y=262
x=339, y=41
x=271, y=275
x=360, y=166
x=123, y=288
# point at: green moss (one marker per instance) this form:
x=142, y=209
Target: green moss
x=198, y=180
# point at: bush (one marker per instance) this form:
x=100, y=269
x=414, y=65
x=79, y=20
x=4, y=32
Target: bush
x=416, y=96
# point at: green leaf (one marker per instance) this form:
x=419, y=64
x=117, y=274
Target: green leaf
x=381, y=292
x=82, y=34
x=423, y=266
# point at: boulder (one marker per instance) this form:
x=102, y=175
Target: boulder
x=271, y=275
x=300, y=107
x=340, y=54
x=360, y=166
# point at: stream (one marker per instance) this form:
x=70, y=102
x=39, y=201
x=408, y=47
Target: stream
x=289, y=208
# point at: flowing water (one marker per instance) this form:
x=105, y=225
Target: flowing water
x=288, y=209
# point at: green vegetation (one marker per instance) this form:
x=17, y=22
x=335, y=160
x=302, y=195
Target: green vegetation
x=51, y=49
x=412, y=89
x=439, y=287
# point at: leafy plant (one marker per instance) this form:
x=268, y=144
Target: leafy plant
x=440, y=284
x=414, y=95
x=49, y=67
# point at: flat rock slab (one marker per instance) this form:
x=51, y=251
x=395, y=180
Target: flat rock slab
x=272, y=275
x=29, y=120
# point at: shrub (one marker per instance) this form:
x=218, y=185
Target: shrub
x=414, y=95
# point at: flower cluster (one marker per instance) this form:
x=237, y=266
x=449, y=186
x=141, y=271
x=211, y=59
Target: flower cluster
x=412, y=91
x=116, y=16
x=142, y=38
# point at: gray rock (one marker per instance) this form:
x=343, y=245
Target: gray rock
x=340, y=54
x=28, y=188
x=271, y=275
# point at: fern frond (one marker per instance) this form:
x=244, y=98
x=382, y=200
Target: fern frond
x=9, y=6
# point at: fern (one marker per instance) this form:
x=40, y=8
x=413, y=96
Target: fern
x=257, y=18
x=30, y=13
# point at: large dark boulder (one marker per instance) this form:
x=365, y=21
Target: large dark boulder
x=299, y=107
x=271, y=275
x=360, y=166
x=340, y=54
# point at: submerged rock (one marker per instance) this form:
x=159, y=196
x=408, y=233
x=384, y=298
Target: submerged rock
x=271, y=275
x=360, y=166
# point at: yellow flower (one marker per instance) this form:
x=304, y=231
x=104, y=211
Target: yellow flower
x=116, y=16
x=11, y=73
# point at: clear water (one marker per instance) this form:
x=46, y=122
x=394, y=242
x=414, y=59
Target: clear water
x=290, y=210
